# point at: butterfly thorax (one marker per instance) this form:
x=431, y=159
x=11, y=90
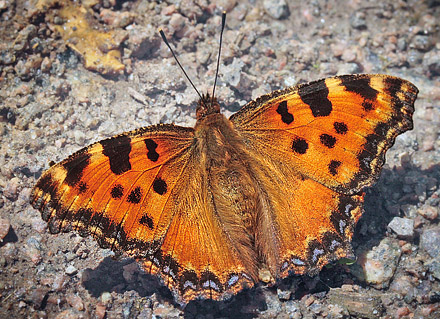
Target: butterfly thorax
x=235, y=193
x=207, y=105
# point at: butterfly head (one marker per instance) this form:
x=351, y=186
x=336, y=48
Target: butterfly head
x=207, y=105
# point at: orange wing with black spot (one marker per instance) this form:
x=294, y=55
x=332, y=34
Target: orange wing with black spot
x=143, y=193
x=319, y=145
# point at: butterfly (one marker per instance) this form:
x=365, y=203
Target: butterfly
x=277, y=188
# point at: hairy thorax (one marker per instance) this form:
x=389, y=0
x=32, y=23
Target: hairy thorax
x=241, y=204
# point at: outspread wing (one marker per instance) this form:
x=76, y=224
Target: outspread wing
x=319, y=145
x=143, y=193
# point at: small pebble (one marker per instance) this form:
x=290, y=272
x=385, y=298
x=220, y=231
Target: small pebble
x=5, y=225
x=7, y=57
x=433, y=266
x=9, y=251
x=232, y=73
x=277, y=9
x=69, y=314
x=71, y=270
x=401, y=285
x=358, y=20
x=100, y=311
x=337, y=311
x=10, y=191
x=4, y=4
x=349, y=55
x=403, y=311
x=284, y=294
x=39, y=225
x=38, y=296
x=106, y=297
x=75, y=301
x=428, y=212
x=422, y=43
x=59, y=282
x=33, y=253
x=130, y=272
x=292, y=306
x=168, y=10
x=46, y=64
x=117, y=19
x=430, y=241
x=309, y=301
x=79, y=137
x=429, y=309
x=402, y=227
x=177, y=22
x=378, y=265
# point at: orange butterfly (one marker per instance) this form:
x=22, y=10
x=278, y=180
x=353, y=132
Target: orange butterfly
x=276, y=188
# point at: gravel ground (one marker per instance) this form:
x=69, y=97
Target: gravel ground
x=53, y=103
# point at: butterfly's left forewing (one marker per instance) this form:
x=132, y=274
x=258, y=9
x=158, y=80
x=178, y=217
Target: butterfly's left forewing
x=316, y=146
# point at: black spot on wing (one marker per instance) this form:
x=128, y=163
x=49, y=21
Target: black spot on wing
x=160, y=186
x=333, y=167
x=327, y=140
x=151, y=148
x=340, y=128
x=82, y=187
x=367, y=105
x=315, y=95
x=75, y=166
x=118, y=149
x=147, y=221
x=282, y=110
x=300, y=145
x=359, y=85
x=117, y=191
x=135, y=196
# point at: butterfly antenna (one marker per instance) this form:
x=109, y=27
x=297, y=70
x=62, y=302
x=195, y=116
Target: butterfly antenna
x=162, y=34
x=219, y=53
